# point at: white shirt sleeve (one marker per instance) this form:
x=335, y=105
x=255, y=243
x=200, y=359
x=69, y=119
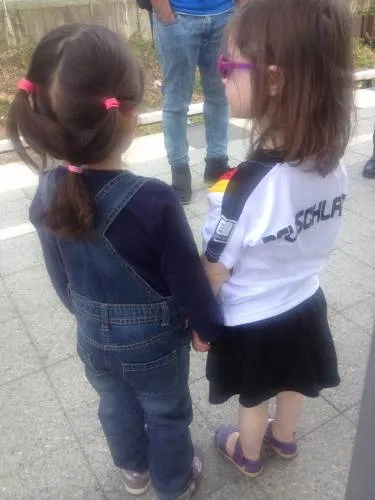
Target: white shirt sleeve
x=229, y=234
x=225, y=240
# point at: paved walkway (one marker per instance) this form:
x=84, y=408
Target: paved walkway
x=51, y=445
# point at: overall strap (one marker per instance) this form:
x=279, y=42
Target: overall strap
x=47, y=186
x=114, y=196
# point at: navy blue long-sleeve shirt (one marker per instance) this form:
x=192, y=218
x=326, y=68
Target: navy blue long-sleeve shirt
x=152, y=234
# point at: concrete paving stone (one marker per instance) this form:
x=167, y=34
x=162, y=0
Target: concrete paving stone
x=354, y=162
x=364, y=148
x=239, y=148
x=152, y=168
x=18, y=355
x=317, y=411
x=13, y=211
x=216, y=414
x=363, y=124
x=320, y=470
x=31, y=290
x=196, y=224
x=61, y=474
x=363, y=313
x=357, y=237
x=244, y=489
x=78, y=398
x=31, y=421
x=197, y=365
x=355, y=172
x=353, y=414
x=362, y=249
x=364, y=206
x=197, y=137
x=199, y=203
x=353, y=228
x=12, y=489
x=7, y=308
x=367, y=112
x=120, y=494
x=53, y=332
x=352, y=345
x=29, y=191
x=347, y=281
x=358, y=188
x=99, y=457
x=10, y=196
x=19, y=253
x=197, y=157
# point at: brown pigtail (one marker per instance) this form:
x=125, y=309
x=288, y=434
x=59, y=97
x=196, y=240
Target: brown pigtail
x=71, y=211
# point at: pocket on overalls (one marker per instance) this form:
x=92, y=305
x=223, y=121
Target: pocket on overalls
x=153, y=377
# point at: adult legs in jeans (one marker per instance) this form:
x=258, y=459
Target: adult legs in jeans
x=178, y=61
x=215, y=108
x=189, y=42
x=369, y=169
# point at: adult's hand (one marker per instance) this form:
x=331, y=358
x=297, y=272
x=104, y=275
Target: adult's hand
x=164, y=11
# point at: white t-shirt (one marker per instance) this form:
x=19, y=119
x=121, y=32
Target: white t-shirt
x=273, y=225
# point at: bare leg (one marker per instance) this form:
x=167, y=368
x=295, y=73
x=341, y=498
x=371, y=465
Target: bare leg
x=289, y=406
x=252, y=424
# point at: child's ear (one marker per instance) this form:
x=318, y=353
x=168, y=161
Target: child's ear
x=275, y=80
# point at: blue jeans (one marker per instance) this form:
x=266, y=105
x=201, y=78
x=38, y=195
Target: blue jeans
x=145, y=406
x=187, y=43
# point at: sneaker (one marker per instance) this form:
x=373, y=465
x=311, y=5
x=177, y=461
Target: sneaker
x=136, y=483
x=181, y=183
x=215, y=168
x=369, y=169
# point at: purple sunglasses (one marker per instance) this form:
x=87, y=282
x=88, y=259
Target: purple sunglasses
x=226, y=66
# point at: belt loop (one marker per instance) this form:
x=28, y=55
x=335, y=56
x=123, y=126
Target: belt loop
x=164, y=314
x=104, y=318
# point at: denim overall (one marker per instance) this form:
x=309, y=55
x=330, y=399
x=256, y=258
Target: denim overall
x=135, y=348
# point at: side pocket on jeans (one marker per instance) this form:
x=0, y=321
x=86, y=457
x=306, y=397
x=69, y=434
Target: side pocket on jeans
x=154, y=377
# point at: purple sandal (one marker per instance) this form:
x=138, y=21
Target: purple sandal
x=250, y=468
x=287, y=451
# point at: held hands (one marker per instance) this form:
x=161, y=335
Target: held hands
x=199, y=345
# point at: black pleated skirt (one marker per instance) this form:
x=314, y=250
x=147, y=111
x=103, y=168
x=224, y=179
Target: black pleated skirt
x=290, y=352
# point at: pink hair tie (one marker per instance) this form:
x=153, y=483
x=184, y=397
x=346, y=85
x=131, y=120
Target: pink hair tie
x=26, y=86
x=75, y=170
x=111, y=103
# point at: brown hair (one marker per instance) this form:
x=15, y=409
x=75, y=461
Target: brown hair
x=73, y=69
x=309, y=41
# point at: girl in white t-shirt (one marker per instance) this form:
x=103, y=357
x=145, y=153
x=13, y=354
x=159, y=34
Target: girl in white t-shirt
x=273, y=221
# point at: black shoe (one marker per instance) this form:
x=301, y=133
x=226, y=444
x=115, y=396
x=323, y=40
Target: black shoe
x=369, y=170
x=181, y=183
x=215, y=168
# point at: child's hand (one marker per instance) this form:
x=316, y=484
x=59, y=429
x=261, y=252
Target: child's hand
x=199, y=345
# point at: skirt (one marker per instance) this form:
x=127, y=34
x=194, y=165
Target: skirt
x=293, y=351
